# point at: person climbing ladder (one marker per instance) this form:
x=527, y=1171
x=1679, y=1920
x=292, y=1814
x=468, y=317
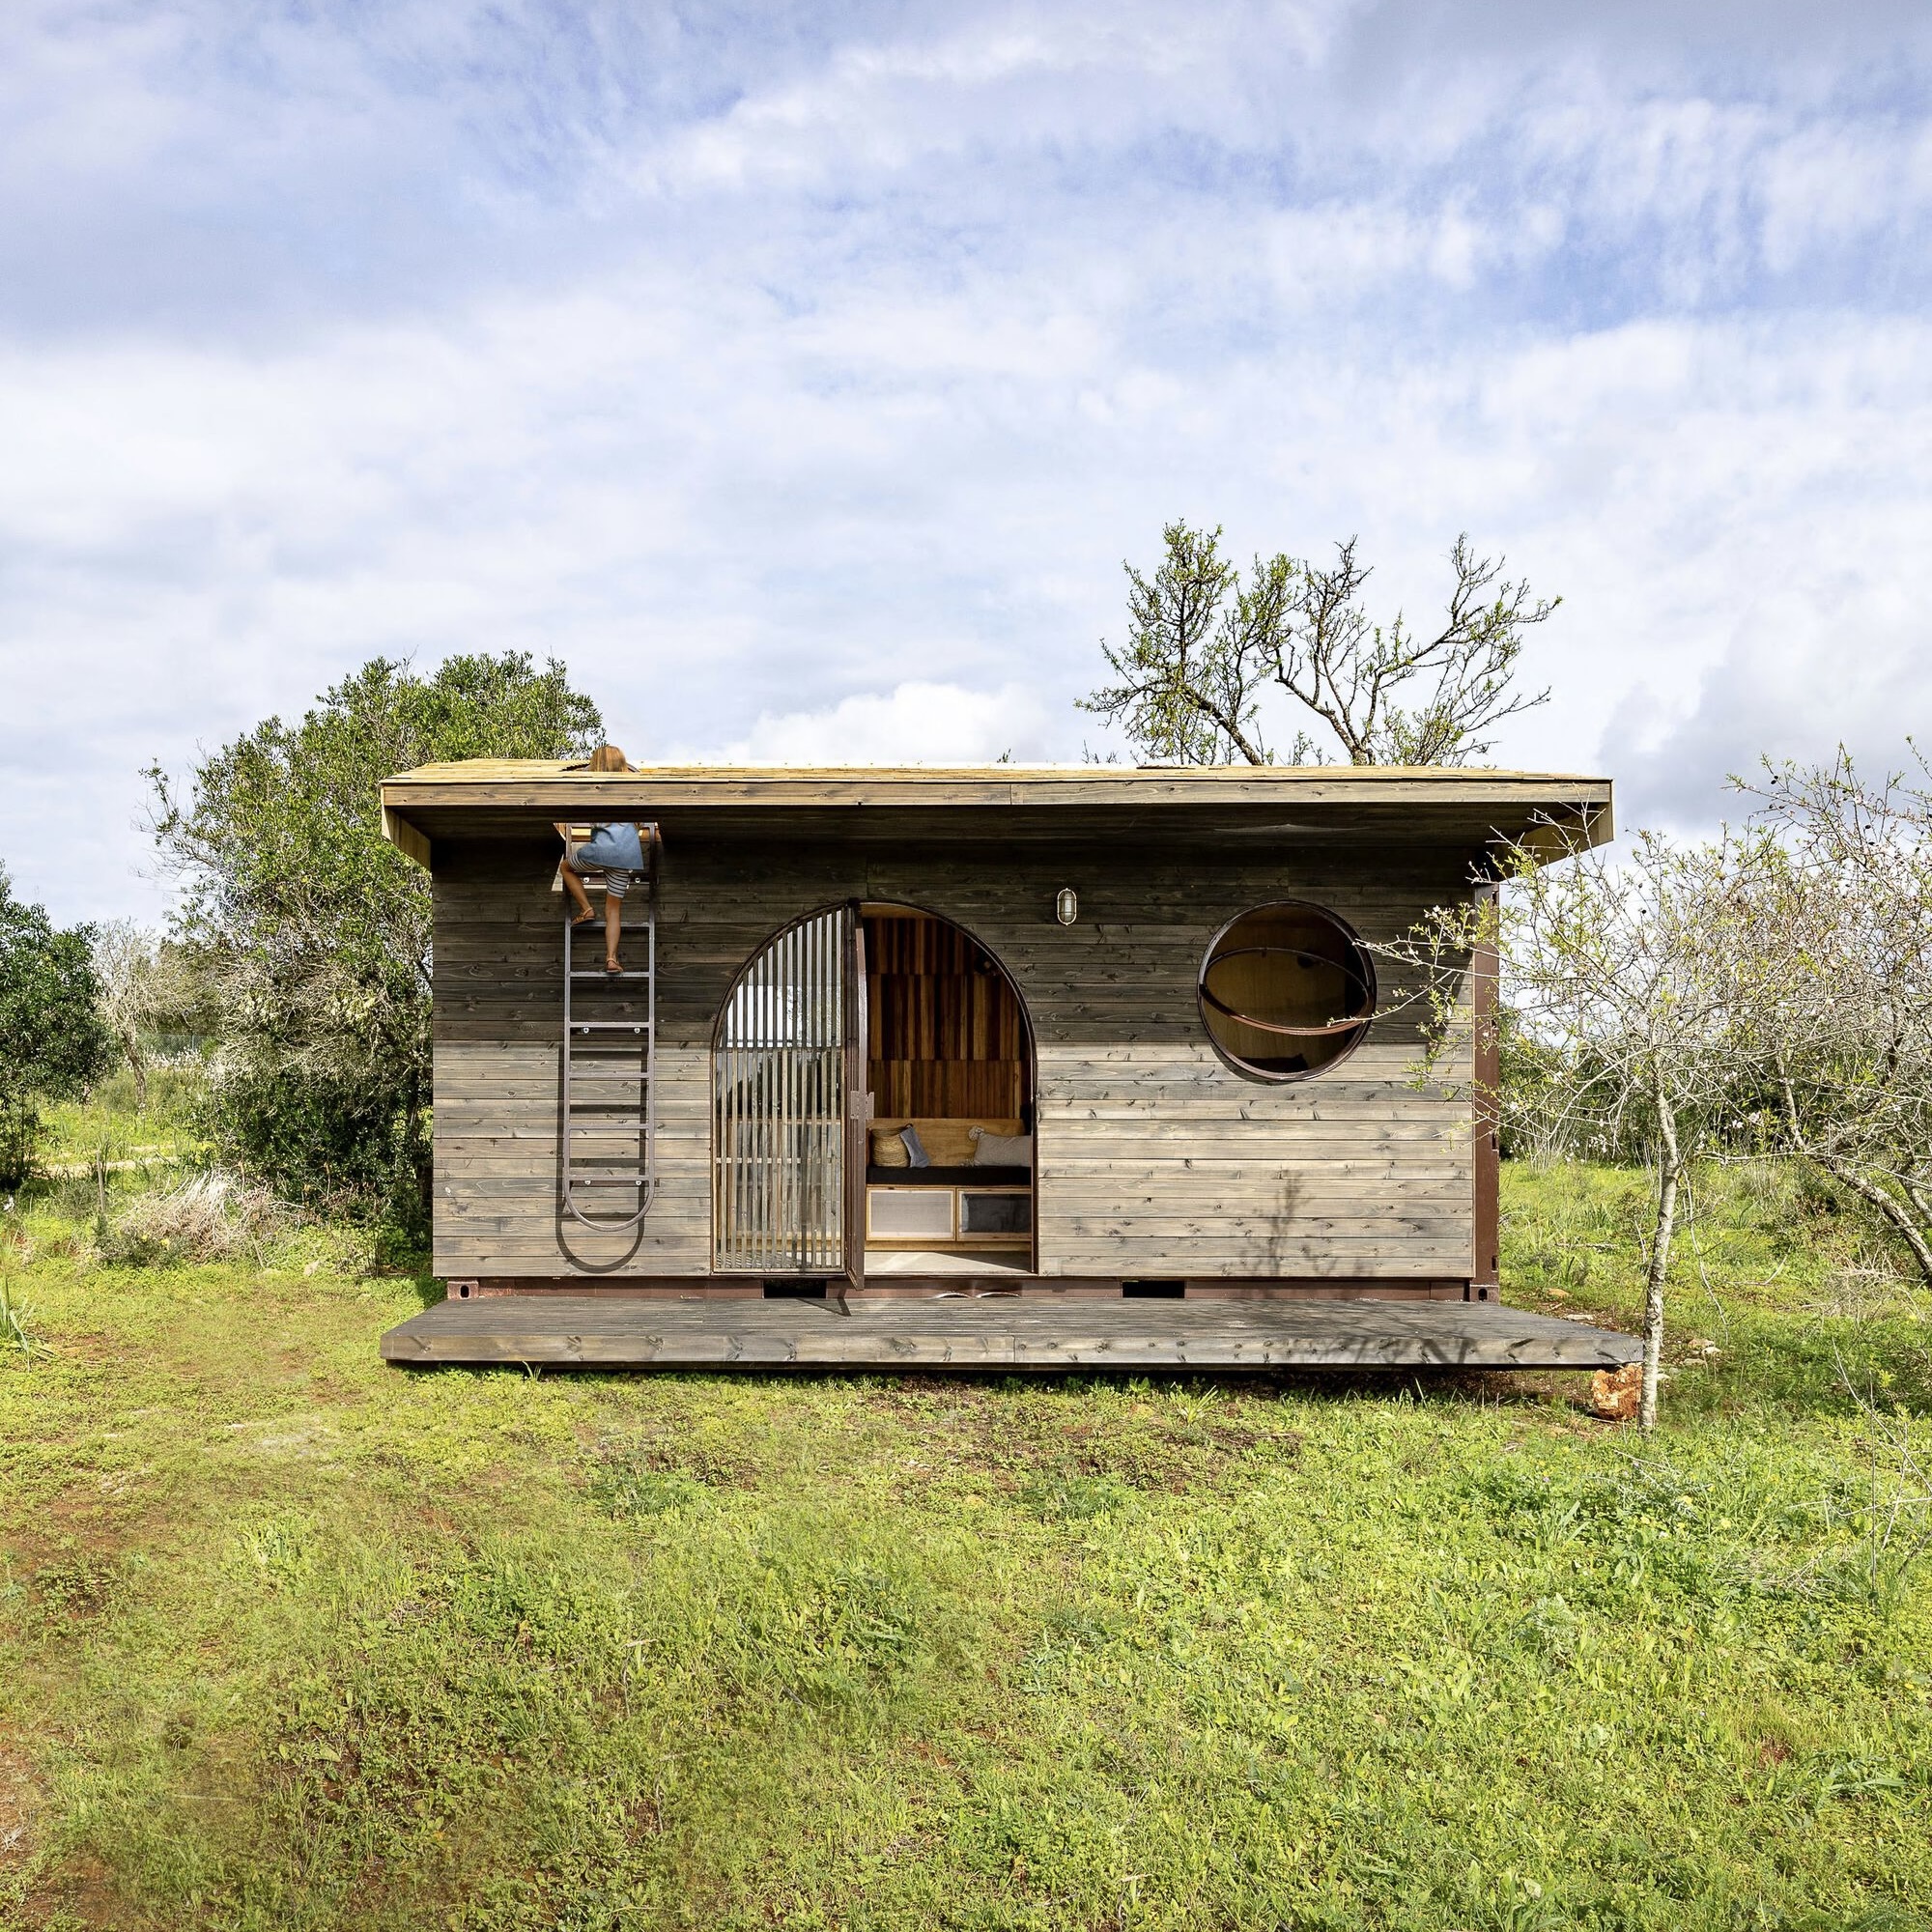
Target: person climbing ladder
x=615, y=850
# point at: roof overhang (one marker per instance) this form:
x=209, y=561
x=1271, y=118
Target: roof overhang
x=1232, y=806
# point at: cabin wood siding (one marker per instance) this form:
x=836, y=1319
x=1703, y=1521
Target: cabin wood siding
x=1155, y=1158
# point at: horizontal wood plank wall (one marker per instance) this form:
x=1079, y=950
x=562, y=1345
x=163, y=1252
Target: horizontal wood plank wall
x=1155, y=1158
x=499, y=1017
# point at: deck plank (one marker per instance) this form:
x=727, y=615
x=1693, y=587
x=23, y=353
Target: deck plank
x=1011, y=1333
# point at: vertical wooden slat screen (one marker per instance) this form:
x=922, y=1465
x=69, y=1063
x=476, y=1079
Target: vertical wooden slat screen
x=779, y=1101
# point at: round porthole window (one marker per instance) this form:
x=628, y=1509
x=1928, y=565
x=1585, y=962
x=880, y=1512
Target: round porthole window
x=1286, y=991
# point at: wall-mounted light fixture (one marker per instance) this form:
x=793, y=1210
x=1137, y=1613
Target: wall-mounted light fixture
x=1067, y=905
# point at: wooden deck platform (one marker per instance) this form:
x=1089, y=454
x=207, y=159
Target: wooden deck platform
x=1003, y=1333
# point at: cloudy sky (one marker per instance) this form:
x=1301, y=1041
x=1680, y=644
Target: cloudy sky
x=801, y=376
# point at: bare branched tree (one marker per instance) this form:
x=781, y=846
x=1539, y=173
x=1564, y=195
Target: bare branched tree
x=1844, y=929
x=145, y=984
x=1635, y=978
x=1203, y=648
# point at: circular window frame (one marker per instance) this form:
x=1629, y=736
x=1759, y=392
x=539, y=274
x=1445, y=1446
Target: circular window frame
x=1268, y=1076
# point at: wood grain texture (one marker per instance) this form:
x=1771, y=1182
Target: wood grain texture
x=1155, y=1158
x=568, y=1330
x=542, y=783
x=944, y=1033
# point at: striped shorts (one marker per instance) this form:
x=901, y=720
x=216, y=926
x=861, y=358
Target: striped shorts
x=616, y=878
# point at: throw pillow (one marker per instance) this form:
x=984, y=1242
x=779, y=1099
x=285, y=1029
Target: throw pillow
x=1000, y=1149
x=915, y=1147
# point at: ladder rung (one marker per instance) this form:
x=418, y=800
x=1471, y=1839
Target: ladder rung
x=609, y=1025
x=605, y=1127
x=576, y=973
x=632, y=1073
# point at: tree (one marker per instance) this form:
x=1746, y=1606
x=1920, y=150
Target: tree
x=1636, y=983
x=317, y=933
x=145, y=983
x=1204, y=651
x=1641, y=971
x=52, y=1042
x=1844, y=927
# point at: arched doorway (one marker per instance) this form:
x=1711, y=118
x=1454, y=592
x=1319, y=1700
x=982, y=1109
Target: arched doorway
x=873, y=1104
x=949, y=1077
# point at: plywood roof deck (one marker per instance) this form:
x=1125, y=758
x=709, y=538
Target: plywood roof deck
x=514, y=798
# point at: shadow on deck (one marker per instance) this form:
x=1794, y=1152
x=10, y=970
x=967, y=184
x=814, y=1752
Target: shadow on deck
x=1003, y=1333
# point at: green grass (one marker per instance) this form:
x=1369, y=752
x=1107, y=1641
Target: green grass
x=291, y=1640
x=108, y=1124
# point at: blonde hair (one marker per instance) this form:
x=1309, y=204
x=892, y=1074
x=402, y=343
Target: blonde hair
x=608, y=758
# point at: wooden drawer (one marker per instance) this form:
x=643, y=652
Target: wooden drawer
x=909, y=1214
x=985, y=1214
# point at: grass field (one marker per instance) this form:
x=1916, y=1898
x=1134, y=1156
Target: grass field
x=289, y=1640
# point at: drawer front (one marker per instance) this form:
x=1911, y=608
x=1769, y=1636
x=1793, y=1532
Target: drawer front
x=995, y=1213
x=899, y=1213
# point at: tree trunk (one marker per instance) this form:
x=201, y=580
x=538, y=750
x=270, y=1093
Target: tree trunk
x=1670, y=1175
x=137, y=1065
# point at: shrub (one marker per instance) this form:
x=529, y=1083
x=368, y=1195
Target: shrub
x=212, y=1219
x=333, y=1144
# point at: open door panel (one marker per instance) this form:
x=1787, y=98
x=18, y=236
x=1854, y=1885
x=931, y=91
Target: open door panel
x=858, y=1102
x=781, y=1100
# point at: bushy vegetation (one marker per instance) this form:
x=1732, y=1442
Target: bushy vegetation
x=310, y=936
x=52, y=1038
x=290, y=1640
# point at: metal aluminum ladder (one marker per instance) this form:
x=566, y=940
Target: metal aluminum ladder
x=609, y=1069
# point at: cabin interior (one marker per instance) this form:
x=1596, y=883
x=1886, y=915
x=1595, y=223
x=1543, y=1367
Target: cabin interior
x=950, y=1091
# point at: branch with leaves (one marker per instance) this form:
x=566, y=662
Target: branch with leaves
x=1205, y=649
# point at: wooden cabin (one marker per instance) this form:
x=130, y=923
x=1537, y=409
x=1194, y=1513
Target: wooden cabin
x=936, y=1037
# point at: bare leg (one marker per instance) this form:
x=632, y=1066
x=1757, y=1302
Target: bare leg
x=613, y=925
x=574, y=886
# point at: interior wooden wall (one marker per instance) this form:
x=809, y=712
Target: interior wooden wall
x=946, y=1036
x=1155, y=1158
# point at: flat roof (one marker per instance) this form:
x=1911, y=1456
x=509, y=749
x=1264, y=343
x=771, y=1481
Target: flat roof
x=1469, y=806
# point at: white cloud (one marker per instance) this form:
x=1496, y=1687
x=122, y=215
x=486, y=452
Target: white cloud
x=915, y=723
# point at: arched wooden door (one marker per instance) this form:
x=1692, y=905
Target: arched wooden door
x=788, y=1106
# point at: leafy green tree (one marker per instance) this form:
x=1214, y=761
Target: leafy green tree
x=1204, y=651
x=52, y=1039
x=316, y=933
